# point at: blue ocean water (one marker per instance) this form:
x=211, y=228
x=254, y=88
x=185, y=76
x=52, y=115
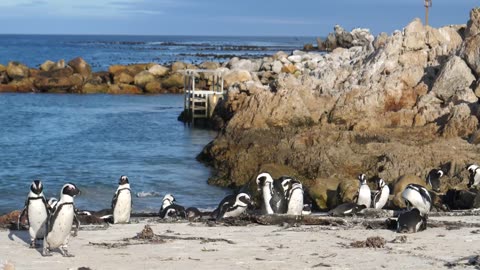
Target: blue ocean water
x=103, y=51
x=92, y=140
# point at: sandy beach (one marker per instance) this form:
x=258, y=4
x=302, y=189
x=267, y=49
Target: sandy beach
x=250, y=247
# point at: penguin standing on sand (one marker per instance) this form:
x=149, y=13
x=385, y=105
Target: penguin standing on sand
x=411, y=221
x=37, y=211
x=295, y=198
x=122, y=201
x=417, y=196
x=170, y=209
x=381, y=196
x=232, y=206
x=265, y=185
x=364, y=194
x=474, y=178
x=61, y=221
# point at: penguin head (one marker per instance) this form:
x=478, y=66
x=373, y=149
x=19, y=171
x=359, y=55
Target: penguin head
x=263, y=179
x=52, y=202
x=36, y=187
x=123, y=180
x=433, y=179
x=168, y=198
x=243, y=199
x=472, y=169
x=363, y=179
x=70, y=189
x=380, y=183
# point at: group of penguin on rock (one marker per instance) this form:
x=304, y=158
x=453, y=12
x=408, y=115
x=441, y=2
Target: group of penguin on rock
x=53, y=220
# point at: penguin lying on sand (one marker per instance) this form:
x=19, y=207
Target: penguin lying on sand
x=411, y=222
x=61, y=221
x=346, y=209
x=37, y=211
x=232, y=206
x=170, y=209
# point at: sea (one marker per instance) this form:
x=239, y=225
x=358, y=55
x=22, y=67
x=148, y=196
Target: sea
x=91, y=140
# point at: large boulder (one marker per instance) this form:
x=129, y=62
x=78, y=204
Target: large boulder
x=153, y=87
x=454, y=76
x=158, y=70
x=236, y=76
x=177, y=66
x=47, y=65
x=16, y=70
x=471, y=53
x=144, y=77
x=473, y=25
x=124, y=77
x=91, y=88
x=344, y=39
x=124, y=89
x=243, y=64
x=173, y=83
x=81, y=67
x=460, y=122
x=414, y=35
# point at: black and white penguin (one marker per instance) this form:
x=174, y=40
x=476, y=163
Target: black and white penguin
x=52, y=204
x=122, y=201
x=474, y=178
x=170, y=209
x=37, y=211
x=265, y=185
x=417, y=196
x=381, y=195
x=193, y=214
x=346, y=209
x=411, y=221
x=61, y=221
x=433, y=179
x=232, y=206
x=295, y=198
x=364, y=195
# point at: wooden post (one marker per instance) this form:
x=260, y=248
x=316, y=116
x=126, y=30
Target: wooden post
x=427, y=4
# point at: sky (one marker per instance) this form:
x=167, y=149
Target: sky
x=221, y=17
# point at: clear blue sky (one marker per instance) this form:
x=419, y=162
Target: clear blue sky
x=220, y=17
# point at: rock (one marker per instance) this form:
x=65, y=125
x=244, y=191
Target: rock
x=144, y=77
x=173, y=83
x=347, y=191
x=454, y=76
x=115, y=69
x=320, y=44
x=127, y=89
x=243, y=64
x=289, y=69
x=471, y=53
x=308, y=47
x=473, y=25
x=331, y=42
x=158, y=70
x=102, y=77
x=400, y=185
x=344, y=39
x=279, y=55
x=324, y=192
x=295, y=58
x=380, y=40
x=6, y=221
x=178, y=66
x=414, y=35
x=277, y=67
x=8, y=88
x=477, y=89
x=236, y=76
x=90, y=88
x=25, y=85
x=60, y=64
x=153, y=87
x=4, y=77
x=209, y=65
x=123, y=77
x=81, y=67
x=58, y=81
x=47, y=65
x=460, y=122
x=16, y=70
x=362, y=37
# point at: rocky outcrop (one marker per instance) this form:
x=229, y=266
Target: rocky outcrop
x=403, y=104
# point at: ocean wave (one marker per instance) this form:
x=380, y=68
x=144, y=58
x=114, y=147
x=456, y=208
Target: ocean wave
x=146, y=194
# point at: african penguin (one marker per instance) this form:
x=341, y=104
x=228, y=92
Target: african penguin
x=433, y=179
x=122, y=201
x=417, y=196
x=170, y=209
x=411, y=222
x=474, y=178
x=265, y=185
x=193, y=214
x=61, y=221
x=37, y=211
x=295, y=198
x=364, y=194
x=52, y=204
x=232, y=206
x=346, y=209
x=381, y=195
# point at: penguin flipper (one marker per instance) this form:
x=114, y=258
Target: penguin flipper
x=223, y=209
x=114, y=200
x=77, y=224
x=25, y=209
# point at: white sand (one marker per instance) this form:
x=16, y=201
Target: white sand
x=255, y=247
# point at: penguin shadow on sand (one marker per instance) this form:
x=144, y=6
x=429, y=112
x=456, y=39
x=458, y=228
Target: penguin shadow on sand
x=15, y=235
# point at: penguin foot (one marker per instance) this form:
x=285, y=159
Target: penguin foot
x=46, y=253
x=33, y=245
x=65, y=253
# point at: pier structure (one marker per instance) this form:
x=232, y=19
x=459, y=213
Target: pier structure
x=203, y=88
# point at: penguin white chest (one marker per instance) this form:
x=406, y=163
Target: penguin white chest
x=364, y=196
x=123, y=207
x=382, y=200
x=61, y=227
x=267, y=197
x=295, y=203
x=37, y=218
x=235, y=212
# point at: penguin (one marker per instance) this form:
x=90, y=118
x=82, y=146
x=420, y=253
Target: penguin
x=433, y=179
x=122, y=201
x=193, y=214
x=281, y=188
x=474, y=178
x=52, y=204
x=295, y=198
x=381, y=195
x=364, y=194
x=232, y=206
x=411, y=221
x=170, y=209
x=265, y=185
x=61, y=221
x=37, y=211
x=417, y=196
x=346, y=209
